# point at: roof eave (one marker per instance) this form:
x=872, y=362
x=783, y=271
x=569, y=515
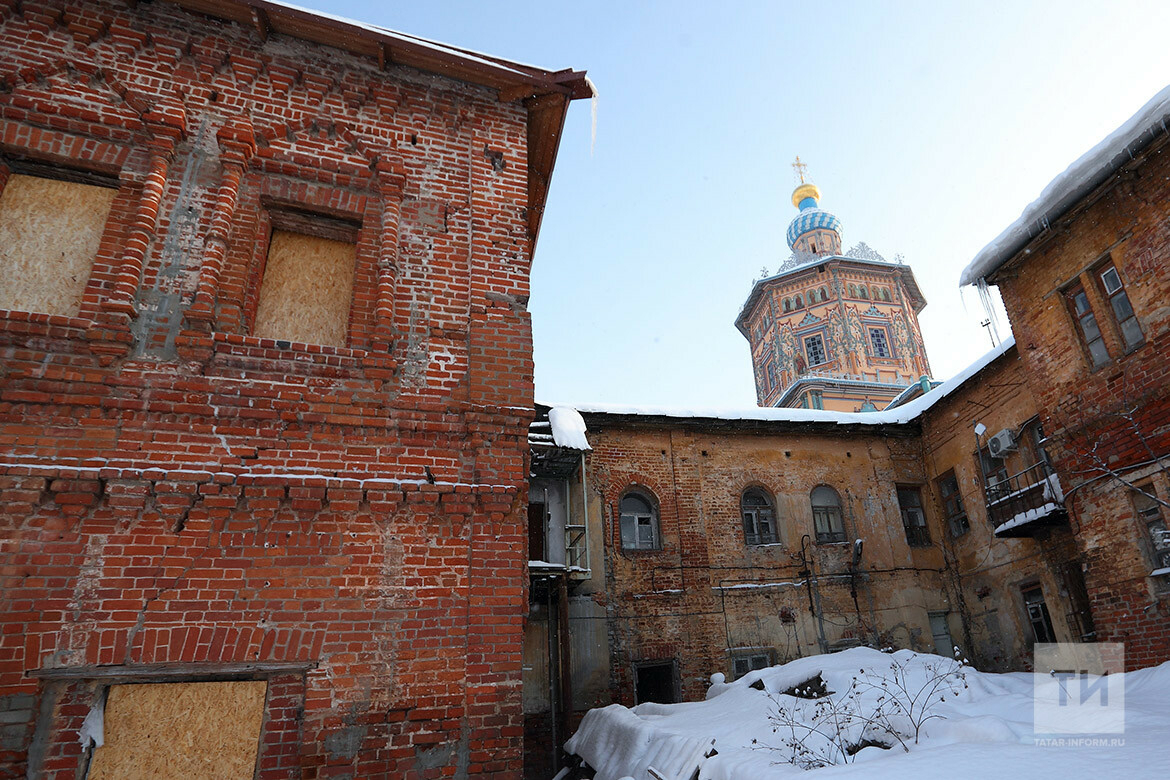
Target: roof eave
x=1039, y=227
x=598, y=420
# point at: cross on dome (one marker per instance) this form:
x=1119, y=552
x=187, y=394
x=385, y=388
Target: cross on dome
x=800, y=168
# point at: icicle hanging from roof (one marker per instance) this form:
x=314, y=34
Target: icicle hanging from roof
x=593, y=115
x=988, y=309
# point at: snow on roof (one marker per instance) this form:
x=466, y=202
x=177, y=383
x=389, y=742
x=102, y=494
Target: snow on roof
x=483, y=59
x=568, y=428
x=902, y=414
x=1084, y=175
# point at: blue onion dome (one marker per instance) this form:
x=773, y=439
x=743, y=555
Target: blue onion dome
x=810, y=218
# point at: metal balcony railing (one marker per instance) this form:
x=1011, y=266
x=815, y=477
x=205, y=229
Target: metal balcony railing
x=1034, y=489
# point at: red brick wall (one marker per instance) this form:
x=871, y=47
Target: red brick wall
x=175, y=490
x=1086, y=411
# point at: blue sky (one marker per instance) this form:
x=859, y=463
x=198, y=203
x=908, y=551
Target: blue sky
x=927, y=125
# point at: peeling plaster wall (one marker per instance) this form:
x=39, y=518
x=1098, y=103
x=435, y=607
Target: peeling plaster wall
x=706, y=596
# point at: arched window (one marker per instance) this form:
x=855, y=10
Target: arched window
x=797, y=302
x=852, y=291
x=863, y=291
x=826, y=509
x=759, y=518
x=639, y=521
x=885, y=294
x=787, y=304
x=824, y=294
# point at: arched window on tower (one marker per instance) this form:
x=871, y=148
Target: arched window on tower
x=826, y=510
x=852, y=291
x=787, y=304
x=863, y=292
x=639, y=522
x=824, y=294
x=759, y=518
x=797, y=302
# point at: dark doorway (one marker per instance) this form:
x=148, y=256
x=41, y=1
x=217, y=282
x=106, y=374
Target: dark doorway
x=536, y=529
x=1081, y=615
x=1038, y=614
x=656, y=682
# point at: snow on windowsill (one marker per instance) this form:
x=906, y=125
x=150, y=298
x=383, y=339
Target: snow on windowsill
x=667, y=592
x=759, y=585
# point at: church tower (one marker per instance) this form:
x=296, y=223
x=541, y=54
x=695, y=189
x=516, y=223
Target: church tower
x=833, y=329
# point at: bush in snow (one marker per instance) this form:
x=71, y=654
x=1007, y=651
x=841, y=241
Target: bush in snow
x=882, y=707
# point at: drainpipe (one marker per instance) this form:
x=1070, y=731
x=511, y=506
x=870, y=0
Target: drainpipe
x=814, y=595
x=981, y=429
x=564, y=663
x=552, y=678
x=585, y=514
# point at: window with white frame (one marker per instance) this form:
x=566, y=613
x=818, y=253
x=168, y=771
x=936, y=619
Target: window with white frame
x=639, y=522
x=827, y=520
x=1127, y=322
x=1087, y=327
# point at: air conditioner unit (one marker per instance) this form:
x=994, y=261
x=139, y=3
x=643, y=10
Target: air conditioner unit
x=1001, y=443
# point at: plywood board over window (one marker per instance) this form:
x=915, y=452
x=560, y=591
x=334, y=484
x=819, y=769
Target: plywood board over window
x=307, y=289
x=49, y=235
x=196, y=731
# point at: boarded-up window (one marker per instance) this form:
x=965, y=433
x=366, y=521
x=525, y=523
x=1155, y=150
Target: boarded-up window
x=307, y=289
x=49, y=234
x=194, y=731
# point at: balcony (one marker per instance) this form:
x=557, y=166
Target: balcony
x=1026, y=502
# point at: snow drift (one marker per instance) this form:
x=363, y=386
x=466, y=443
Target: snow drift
x=984, y=731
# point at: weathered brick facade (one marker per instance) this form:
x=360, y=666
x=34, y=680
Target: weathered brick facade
x=987, y=573
x=183, y=500
x=1109, y=425
x=704, y=597
x=706, y=594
